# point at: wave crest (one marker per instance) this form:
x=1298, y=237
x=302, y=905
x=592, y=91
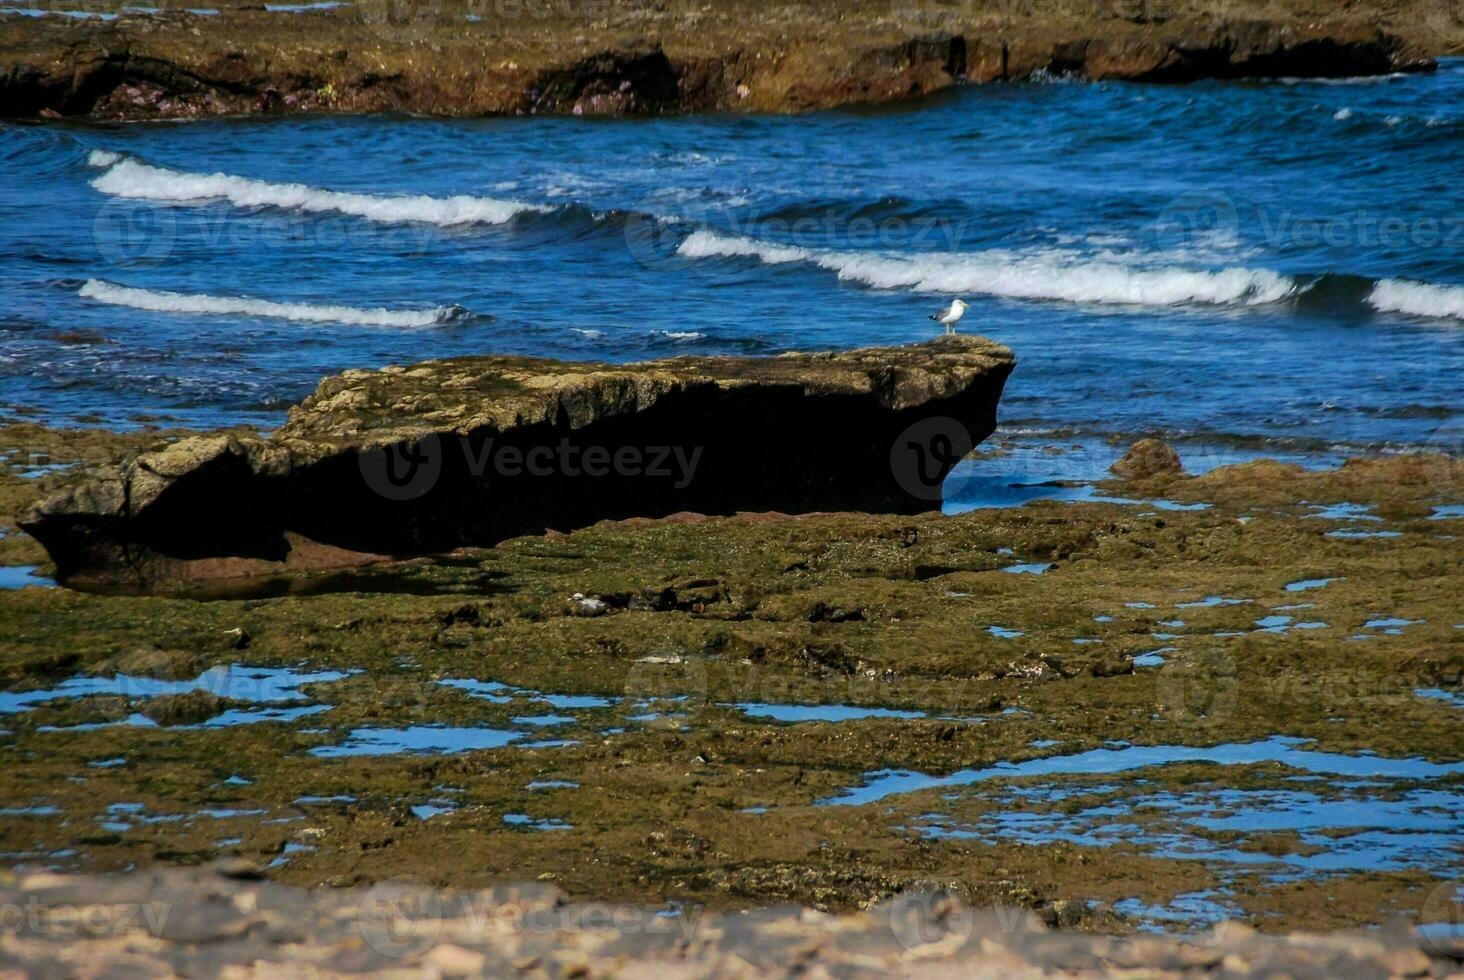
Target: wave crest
x=130, y=178
x=161, y=301
x=1037, y=276
x=1418, y=299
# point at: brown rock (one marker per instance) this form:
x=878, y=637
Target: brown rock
x=1148, y=458
x=169, y=665
x=182, y=709
x=650, y=57
x=471, y=451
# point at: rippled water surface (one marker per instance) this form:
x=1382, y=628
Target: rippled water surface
x=1275, y=260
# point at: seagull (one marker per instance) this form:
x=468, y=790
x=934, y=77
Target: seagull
x=951, y=315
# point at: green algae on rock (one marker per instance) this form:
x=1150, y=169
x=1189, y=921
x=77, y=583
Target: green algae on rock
x=471, y=451
x=684, y=743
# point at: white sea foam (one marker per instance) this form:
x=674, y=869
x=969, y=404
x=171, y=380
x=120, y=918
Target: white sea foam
x=1347, y=80
x=1418, y=298
x=130, y=178
x=102, y=158
x=681, y=334
x=167, y=302
x=1045, y=275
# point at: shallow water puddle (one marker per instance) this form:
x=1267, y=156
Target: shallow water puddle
x=819, y=712
x=290, y=849
x=1028, y=568
x=523, y=820
x=1343, y=512
x=882, y=783
x=1211, y=601
x=1154, y=658
x=500, y=693
x=1353, y=533
x=20, y=576
x=432, y=739
x=1281, y=624
x=1191, y=908
x=1455, y=698
x=1308, y=584
x=1391, y=625
x=257, y=685
x=426, y=811
x=1422, y=828
x=119, y=818
x=442, y=739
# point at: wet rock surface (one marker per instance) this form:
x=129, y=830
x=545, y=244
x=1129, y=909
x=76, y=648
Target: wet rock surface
x=1147, y=459
x=461, y=57
x=225, y=921
x=447, y=454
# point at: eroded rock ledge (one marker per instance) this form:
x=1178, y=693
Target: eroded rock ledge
x=477, y=57
x=471, y=451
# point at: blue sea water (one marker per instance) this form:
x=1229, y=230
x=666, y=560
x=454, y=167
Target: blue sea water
x=1278, y=265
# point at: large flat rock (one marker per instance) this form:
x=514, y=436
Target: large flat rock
x=471, y=451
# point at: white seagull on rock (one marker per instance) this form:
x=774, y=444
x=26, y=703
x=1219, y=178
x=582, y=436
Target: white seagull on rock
x=951, y=315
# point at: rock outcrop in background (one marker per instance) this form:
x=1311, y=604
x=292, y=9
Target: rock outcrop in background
x=583, y=57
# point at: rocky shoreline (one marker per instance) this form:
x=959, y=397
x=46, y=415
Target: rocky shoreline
x=651, y=57
x=717, y=711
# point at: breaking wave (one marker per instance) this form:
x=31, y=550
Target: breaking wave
x=1038, y=276
x=161, y=301
x=1418, y=299
x=126, y=177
